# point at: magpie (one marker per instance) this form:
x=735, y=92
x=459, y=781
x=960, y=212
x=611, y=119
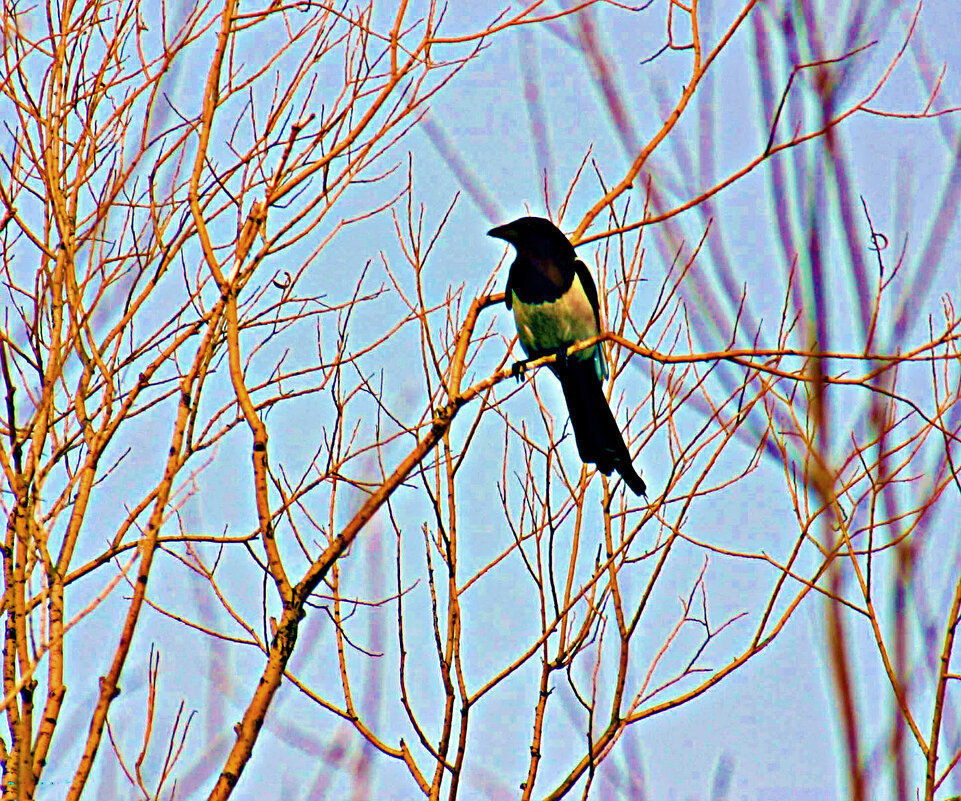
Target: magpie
x=554, y=300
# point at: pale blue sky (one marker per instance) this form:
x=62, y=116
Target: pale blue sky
x=772, y=723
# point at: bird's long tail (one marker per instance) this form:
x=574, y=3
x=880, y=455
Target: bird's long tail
x=598, y=437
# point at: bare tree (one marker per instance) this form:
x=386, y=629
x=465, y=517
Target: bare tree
x=183, y=323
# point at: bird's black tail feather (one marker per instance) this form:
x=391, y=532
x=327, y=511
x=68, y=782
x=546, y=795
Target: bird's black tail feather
x=598, y=437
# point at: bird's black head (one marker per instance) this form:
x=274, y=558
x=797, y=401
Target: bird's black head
x=536, y=238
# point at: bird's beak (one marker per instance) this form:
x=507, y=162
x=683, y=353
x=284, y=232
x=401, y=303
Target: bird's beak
x=501, y=232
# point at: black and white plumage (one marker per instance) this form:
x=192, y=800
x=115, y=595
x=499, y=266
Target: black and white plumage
x=555, y=304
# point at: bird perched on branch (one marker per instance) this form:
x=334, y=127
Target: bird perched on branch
x=554, y=300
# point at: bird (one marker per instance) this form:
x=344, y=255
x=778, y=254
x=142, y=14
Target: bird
x=554, y=301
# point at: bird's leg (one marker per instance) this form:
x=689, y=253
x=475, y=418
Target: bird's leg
x=560, y=357
x=518, y=369
x=560, y=361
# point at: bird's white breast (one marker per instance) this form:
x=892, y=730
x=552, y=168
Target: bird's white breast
x=548, y=326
